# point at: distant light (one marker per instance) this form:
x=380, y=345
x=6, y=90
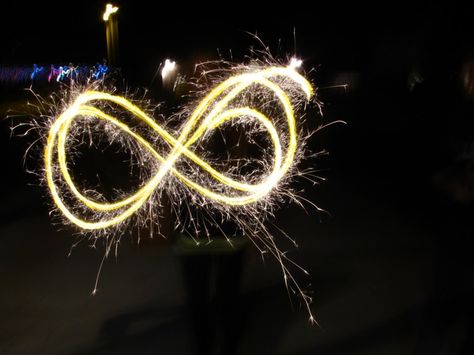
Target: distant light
x=168, y=68
x=109, y=10
x=295, y=63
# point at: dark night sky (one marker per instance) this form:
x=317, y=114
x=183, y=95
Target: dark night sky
x=330, y=35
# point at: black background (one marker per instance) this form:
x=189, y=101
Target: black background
x=390, y=266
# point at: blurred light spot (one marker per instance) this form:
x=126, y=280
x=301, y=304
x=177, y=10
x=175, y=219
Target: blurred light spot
x=414, y=78
x=295, y=63
x=468, y=76
x=109, y=10
x=168, y=69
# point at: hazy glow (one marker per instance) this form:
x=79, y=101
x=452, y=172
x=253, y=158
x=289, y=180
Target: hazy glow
x=109, y=10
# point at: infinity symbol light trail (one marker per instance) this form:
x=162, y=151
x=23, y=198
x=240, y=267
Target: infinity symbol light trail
x=214, y=110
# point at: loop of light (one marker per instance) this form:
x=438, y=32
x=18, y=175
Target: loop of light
x=208, y=115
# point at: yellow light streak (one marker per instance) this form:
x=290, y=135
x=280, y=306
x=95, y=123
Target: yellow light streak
x=109, y=10
x=209, y=114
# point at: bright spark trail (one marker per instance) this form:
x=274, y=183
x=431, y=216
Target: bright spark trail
x=263, y=99
x=217, y=116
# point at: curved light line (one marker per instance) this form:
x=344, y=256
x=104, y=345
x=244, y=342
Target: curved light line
x=198, y=124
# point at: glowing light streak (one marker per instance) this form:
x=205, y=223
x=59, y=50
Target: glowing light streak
x=168, y=68
x=36, y=71
x=63, y=73
x=100, y=71
x=54, y=73
x=109, y=10
x=209, y=114
x=295, y=63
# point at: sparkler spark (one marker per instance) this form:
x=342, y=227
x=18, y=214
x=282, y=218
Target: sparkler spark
x=196, y=126
x=264, y=99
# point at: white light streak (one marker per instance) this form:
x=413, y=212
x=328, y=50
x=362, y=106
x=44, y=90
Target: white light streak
x=295, y=63
x=168, y=68
x=109, y=10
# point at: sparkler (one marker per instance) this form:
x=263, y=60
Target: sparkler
x=263, y=99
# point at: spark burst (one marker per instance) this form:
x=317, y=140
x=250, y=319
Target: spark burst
x=266, y=100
